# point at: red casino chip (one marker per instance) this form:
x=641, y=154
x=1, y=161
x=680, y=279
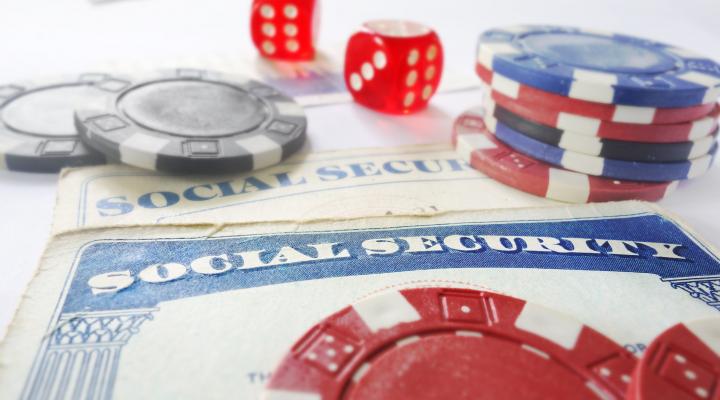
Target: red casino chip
x=439, y=343
x=529, y=96
x=478, y=146
x=650, y=133
x=683, y=363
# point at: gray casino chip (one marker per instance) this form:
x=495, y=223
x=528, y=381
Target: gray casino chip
x=195, y=121
x=37, y=133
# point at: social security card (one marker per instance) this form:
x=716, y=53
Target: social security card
x=406, y=180
x=190, y=311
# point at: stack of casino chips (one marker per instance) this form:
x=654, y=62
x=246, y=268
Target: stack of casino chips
x=582, y=116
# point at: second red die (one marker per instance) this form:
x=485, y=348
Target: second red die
x=285, y=29
x=393, y=66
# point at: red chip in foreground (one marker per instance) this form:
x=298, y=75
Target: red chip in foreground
x=439, y=343
x=479, y=147
x=682, y=363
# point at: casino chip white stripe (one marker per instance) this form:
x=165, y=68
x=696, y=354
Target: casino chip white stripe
x=381, y=312
x=702, y=147
x=466, y=144
x=586, y=144
x=265, y=152
x=140, y=150
x=701, y=127
x=634, y=114
x=506, y=86
x=582, y=163
x=290, y=108
x=579, y=124
x=550, y=324
x=568, y=185
x=699, y=166
x=592, y=86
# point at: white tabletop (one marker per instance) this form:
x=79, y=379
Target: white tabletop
x=48, y=37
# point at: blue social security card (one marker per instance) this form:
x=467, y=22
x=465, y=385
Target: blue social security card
x=197, y=311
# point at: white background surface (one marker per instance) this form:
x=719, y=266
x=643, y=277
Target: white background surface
x=41, y=37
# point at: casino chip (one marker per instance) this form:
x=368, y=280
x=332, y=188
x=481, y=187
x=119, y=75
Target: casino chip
x=438, y=343
x=598, y=166
x=529, y=96
x=600, y=67
x=479, y=147
x=683, y=363
x=678, y=132
x=193, y=121
x=36, y=121
x=606, y=148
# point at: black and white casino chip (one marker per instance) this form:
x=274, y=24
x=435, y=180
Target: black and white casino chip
x=37, y=133
x=195, y=121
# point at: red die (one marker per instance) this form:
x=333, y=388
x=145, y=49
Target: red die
x=285, y=29
x=393, y=66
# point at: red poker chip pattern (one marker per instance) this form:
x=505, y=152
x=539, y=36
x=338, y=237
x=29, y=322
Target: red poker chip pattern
x=442, y=343
x=682, y=363
x=529, y=96
x=479, y=147
x=650, y=133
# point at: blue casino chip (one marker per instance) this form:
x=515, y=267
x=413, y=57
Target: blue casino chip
x=598, y=166
x=600, y=67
